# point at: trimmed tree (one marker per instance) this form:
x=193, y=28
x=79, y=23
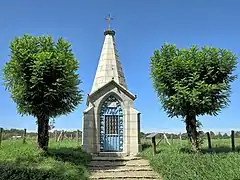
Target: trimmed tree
x=192, y=82
x=42, y=79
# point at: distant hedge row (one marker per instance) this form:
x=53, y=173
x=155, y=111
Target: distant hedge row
x=12, y=172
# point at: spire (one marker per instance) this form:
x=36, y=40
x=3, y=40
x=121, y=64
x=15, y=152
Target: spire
x=109, y=66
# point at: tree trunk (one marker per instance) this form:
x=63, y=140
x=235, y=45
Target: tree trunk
x=191, y=127
x=43, y=136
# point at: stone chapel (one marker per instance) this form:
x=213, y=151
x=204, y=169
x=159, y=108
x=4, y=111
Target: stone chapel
x=111, y=124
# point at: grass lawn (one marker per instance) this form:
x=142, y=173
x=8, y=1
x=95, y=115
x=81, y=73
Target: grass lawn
x=64, y=160
x=177, y=163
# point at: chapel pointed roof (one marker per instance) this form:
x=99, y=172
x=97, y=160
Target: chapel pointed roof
x=109, y=65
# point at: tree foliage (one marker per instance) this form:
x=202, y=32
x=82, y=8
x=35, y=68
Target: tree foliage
x=192, y=82
x=42, y=78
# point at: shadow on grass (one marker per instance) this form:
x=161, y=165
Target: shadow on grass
x=216, y=150
x=11, y=171
x=60, y=163
x=75, y=156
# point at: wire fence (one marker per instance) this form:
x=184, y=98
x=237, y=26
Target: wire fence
x=56, y=135
x=214, y=142
x=211, y=140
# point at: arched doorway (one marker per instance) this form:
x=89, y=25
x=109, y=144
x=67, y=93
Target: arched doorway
x=111, y=126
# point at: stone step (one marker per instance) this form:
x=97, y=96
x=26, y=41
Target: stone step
x=123, y=175
x=126, y=178
x=110, y=158
x=139, y=162
x=120, y=169
x=133, y=178
x=112, y=154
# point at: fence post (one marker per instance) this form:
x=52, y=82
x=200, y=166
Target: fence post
x=55, y=134
x=62, y=137
x=172, y=139
x=24, y=136
x=164, y=139
x=233, y=140
x=78, y=134
x=1, y=135
x=209, y=141
x=180, y=137
x=154, y=145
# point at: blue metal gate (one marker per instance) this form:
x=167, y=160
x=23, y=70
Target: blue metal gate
x=111, y=126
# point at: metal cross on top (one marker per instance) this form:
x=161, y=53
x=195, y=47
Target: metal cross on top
x=109, y=18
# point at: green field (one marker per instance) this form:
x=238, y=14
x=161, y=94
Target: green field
x=65, y=160
x=176, y=162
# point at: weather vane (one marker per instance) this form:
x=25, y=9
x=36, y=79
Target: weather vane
x=109, y=18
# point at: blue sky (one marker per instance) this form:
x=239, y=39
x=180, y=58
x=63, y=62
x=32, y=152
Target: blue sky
x=141, y=27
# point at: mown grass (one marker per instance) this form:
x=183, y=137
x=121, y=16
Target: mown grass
x=64, y=160
x=176, y=162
